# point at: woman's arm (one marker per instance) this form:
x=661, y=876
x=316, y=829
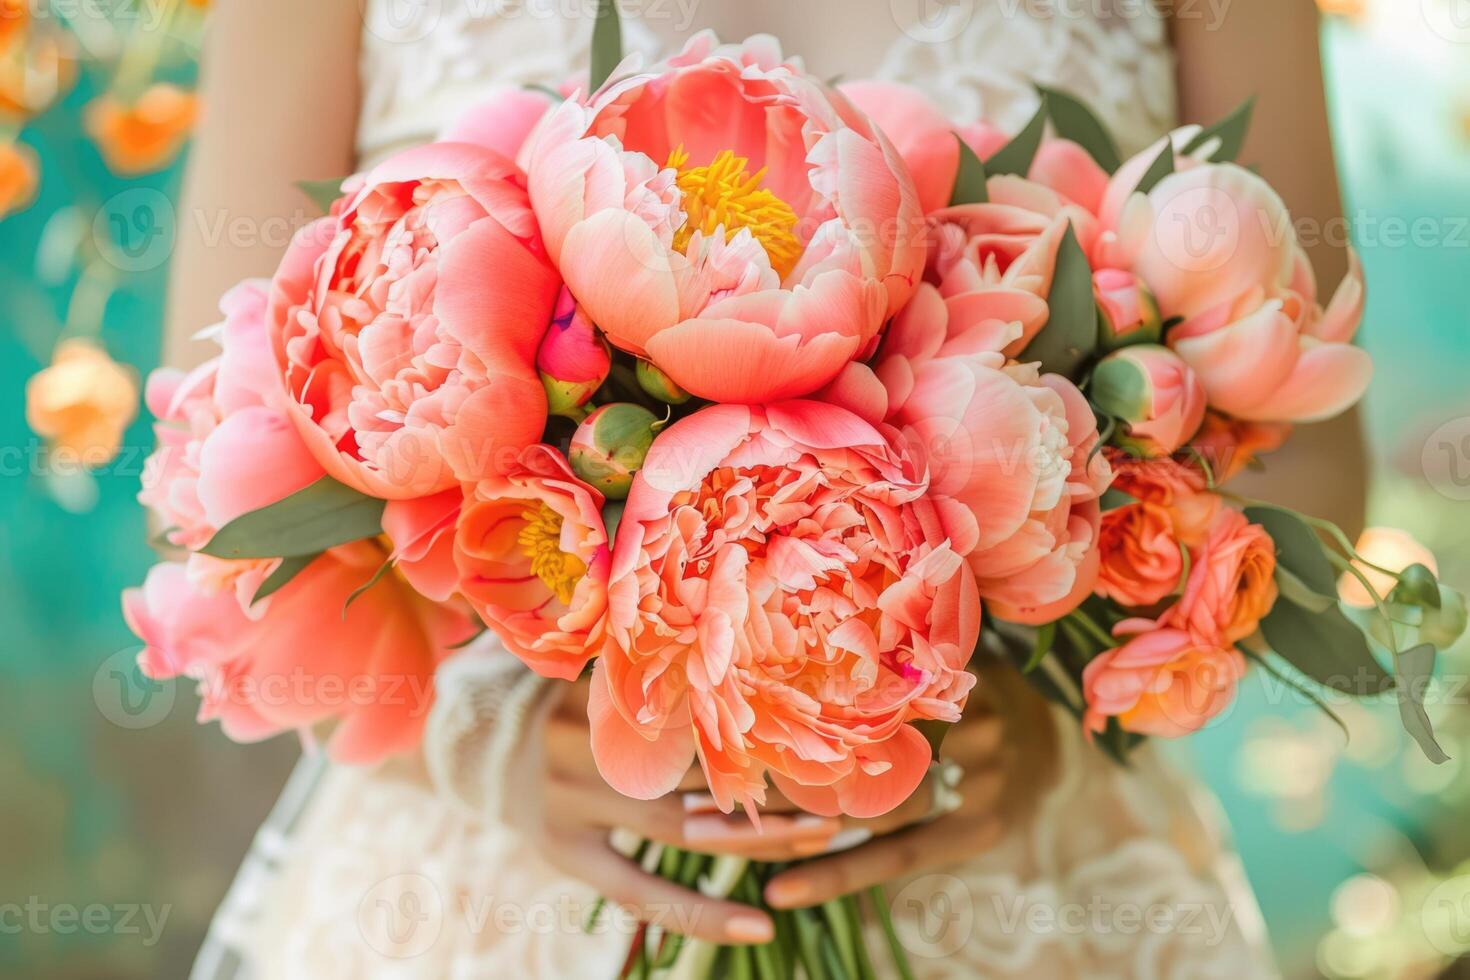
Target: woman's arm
x=280, y=88
x=1270, y=48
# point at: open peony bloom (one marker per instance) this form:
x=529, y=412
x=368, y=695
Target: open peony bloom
x=728, y=218
x=1223, y=256
x=1161, y=682
x=370, y=670
x=405, y=326
x=783, y=599
x=225, y=448
x=533, y=560
x=1012, y=447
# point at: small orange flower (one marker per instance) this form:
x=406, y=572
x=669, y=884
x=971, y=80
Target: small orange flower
x=15, y=17
x=83, y=402
x=36, y=67
x=19, y=178
x=146, y=135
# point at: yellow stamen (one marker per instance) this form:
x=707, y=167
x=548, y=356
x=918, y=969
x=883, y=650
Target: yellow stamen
x=540, y=541
x=724, y=195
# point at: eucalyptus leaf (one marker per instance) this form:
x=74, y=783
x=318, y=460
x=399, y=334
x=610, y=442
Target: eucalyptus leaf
x=1326, y=647
x=1298, y=548
x=288, y=569
x=1162, y=167
x=1017, y=156
x=1295, y=590
x=1073, y=120
x=1230, y=131
x=323, y=193
x=607, y=43
x=1069, y=338
x=320, y=516
x=1413, y=670
x=969, y=180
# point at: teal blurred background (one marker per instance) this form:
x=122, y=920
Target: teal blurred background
x=113, y=798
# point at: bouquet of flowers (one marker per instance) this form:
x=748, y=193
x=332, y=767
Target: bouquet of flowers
x=749, y=394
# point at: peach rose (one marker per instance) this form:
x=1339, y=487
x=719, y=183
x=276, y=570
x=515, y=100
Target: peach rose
x=1142, y=561
x=82, y=402
x=783, y=600
x=1180, y=489
x=145, y=135
x=1011, y=447
x=405, y=326
x=1232, y=583
x=370, y=669
x=726, y=217
x=533, y=560
x=1161, y=682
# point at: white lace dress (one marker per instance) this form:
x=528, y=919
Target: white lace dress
x=369, y=873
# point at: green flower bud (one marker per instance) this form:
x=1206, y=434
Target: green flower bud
x=610, y=445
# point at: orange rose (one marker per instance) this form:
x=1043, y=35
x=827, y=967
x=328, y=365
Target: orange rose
x=1232, y=584
x=1228, y=445
x=144, y=136
x=1181, y=490
x=83, y=402
x=1142, y=560
x=19, y=178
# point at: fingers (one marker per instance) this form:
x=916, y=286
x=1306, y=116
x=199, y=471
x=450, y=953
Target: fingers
x=662, y=903
x=940, y=844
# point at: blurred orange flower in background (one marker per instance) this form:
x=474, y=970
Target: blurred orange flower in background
x=83, y=402
x=15, y=15
x=145, y=135
x=36, y=66
x=19, y=177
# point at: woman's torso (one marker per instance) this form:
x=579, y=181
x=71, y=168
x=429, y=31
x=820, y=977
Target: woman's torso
x=424, y=61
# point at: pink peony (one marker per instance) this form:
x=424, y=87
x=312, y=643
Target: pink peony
x=1013, y=448
x=223, y=448
x=1152, y=391
x=727, y=218
x=370, y=670
x=1160, y=682
x=533, y=559
x=783, y=599
x=405, y=326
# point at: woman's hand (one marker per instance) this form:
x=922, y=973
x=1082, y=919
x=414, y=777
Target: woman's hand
x=1005, y=747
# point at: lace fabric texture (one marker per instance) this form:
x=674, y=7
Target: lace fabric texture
x=414, y=871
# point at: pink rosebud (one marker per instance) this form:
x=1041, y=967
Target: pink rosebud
x=1130, y=312
x=1151, y=389
x=574, y=359
x=610, y=446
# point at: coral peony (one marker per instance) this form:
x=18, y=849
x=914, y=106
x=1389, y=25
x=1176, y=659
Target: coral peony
x=406, y=325
x=783, y=600
x=728, y=218
x=369, y=669
x=1152, y=391
x=533, y=560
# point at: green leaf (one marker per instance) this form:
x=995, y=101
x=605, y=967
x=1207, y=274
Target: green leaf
x=607, y=43
x=323, y=193
x=1070, y=336
x=1295, y=590
x=1113, y=498
x=969, y=181
x=358, y=592
x=1074, y=121
x=311, y=520
x=1231, y=132
x=1412, y=671
x=1326, y=647
x=1162, y=167
x=1017, y=155
x=1297, y=686
x=1045, y=637
x=934, y=732
x=288, y=569
x=1298, y=548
